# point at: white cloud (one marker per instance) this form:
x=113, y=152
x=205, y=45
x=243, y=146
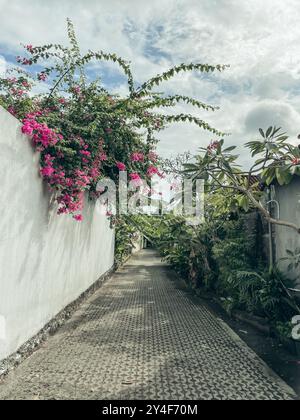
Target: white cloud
x=259, y=39
x=268, y=113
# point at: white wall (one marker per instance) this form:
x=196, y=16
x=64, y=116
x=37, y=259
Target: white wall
x=288, y=197
x=46, y=261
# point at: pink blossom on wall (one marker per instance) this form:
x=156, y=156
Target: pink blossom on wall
x=121, y=166
x=137, y=157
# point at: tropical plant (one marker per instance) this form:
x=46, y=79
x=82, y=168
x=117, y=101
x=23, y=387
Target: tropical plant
x=292, y=258
x=125, y=235
x=264, y=294
x=82, y=131
x=284, y=330
x=234, y=251
x=221, y=256
x=274, y=160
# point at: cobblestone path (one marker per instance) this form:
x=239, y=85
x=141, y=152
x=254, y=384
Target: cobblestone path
x=140, y=337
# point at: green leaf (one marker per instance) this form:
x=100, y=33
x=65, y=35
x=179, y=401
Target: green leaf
x=282, y=138
x=244, y=203
x=283, y=176
x=289, y=252
x=269, y=131
x=275, y=131
x=269, y=179
x=229, y=149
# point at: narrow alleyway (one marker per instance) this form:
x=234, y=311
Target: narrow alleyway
x=140, y=337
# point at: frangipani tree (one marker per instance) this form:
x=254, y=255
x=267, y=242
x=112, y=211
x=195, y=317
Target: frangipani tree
x=274, y=159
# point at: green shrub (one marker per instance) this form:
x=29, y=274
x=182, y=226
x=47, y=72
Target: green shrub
x=224, y=258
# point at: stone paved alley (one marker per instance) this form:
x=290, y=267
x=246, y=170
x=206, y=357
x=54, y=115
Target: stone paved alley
x=140, y=337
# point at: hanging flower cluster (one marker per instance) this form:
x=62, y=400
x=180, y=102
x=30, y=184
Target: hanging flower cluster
x=153, y=157
x=296, y=161
x=213, y=146
x=43, y=136
x=136, y=179
x=137, y=157
x=121, y=166
x=153, y=170
x=150, y=159
x=70, y=185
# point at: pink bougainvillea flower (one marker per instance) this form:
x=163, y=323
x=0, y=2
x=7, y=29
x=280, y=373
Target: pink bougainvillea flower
x=47, y=171
x=29, y=48
x=12, y=110
x=136, y=179
x=25, y=84
x=68, y=182
x=296, y=161
x=78, y=217
x=94, y=173
x=134, y=176
x=153, y=157
x=85, y=153
x=137, y=157
x=24, y=61
x=77, y=90
x=121, y=166
x=82, y=179
x=49, y=159
x=103, y=157
x=43, y=136
x=12, y=80
x=152, y=170
x=213, y=145
x=27, y=129
x=17, y=92
x=42, y=77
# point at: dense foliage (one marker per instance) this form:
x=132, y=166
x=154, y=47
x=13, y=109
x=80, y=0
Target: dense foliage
x=126, y=233
x=224, y=257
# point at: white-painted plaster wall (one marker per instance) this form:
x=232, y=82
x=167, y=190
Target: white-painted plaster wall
x=288, y=198
x=46, y=261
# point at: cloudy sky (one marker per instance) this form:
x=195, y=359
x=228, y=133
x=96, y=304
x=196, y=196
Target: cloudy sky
x=259, y=39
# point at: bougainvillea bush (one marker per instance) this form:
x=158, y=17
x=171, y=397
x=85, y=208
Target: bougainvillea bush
x=83, y=132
